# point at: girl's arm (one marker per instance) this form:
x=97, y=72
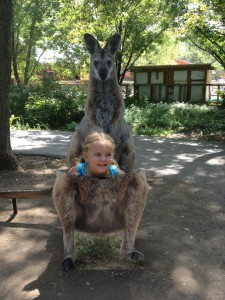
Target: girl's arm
x=120, y=171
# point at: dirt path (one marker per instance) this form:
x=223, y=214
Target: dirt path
x=181, y=236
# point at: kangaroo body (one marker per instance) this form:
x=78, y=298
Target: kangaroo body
x=105, y=105
x=100, y=206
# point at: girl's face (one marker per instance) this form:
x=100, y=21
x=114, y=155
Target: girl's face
x=99, y=157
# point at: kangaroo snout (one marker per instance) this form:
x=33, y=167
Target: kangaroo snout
x=103, y=73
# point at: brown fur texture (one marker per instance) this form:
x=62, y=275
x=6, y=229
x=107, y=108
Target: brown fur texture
x=105, y=106
x=101, y=206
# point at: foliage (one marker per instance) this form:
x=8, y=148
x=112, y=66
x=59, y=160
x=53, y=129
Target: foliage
x=34, y=26
x=165, y=52
x=191, y=53
x=221, y=94
x=149, y=29
x=176, y=46
x=60, y=107
x=164, y=119
x=140, y=23
x=12, y=120
x=204, y=26
x=72, y=63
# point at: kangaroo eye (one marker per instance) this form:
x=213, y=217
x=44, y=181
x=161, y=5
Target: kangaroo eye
x=109, y=62
x=95, y=63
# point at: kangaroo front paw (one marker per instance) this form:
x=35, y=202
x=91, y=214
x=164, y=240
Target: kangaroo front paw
x=67, y=264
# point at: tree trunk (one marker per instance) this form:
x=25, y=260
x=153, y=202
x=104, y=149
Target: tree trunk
x=14, y=59
x=7, y=158
x=29, y=51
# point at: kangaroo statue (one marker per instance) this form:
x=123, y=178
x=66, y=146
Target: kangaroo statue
x=90, y=204
x=105, y=105
x=100, y=206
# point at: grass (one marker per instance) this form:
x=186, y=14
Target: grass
x=102, y=252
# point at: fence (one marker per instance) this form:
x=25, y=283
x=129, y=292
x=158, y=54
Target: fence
x=180, y=92
x=166, y=92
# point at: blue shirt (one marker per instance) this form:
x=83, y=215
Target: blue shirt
x=82, y=169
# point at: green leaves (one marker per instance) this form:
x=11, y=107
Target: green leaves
x=139, y=22
x=144, y=26
x=204, y=25
x=162, y=119
x=34, y=26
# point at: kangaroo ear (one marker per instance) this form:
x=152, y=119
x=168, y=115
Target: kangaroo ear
x=113, y=44
x=91, y=43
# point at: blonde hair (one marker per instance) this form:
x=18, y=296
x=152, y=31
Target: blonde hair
x=96, y=137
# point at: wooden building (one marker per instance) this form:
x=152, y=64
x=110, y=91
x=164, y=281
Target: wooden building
x=183, y=83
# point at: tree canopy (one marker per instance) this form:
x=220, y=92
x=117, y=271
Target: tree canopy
x=204, y=26
x=33, y=27
x=147, y=28
x=141, y=24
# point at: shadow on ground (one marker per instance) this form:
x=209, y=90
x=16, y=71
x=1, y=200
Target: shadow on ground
x=181, y=235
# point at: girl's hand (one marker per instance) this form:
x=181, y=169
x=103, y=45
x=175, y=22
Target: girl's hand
x=121, y=172
x=73, y=170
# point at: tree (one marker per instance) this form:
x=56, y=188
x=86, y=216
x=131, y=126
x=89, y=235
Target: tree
x=164, y=53
x=204, y=26
x=141, y=24
x=7, y=158
x=33, y=27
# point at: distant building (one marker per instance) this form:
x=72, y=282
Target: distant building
x=128, y=77
x=182, y=82
x=182, y=62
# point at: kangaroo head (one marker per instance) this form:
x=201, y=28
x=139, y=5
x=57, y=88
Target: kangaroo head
x=102, y=59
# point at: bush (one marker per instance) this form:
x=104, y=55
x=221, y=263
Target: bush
x=51, y=106
x=221, y=94
x=18, y=100
x=163, y=119
x=55, y=108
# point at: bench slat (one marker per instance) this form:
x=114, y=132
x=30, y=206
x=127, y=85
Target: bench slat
x=26, y=193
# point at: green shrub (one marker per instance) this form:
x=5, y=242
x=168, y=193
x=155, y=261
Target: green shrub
x=55, y=108
x=18, y=100
x=221, y=94
x=162, y=119
x=51, y=106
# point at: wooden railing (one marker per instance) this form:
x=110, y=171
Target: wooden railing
x=209, y=91
x=129, y=89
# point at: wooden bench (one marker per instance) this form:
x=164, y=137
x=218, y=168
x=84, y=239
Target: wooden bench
x=25, y=194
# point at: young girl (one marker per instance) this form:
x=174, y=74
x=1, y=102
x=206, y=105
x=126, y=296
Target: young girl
x=97, y=160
